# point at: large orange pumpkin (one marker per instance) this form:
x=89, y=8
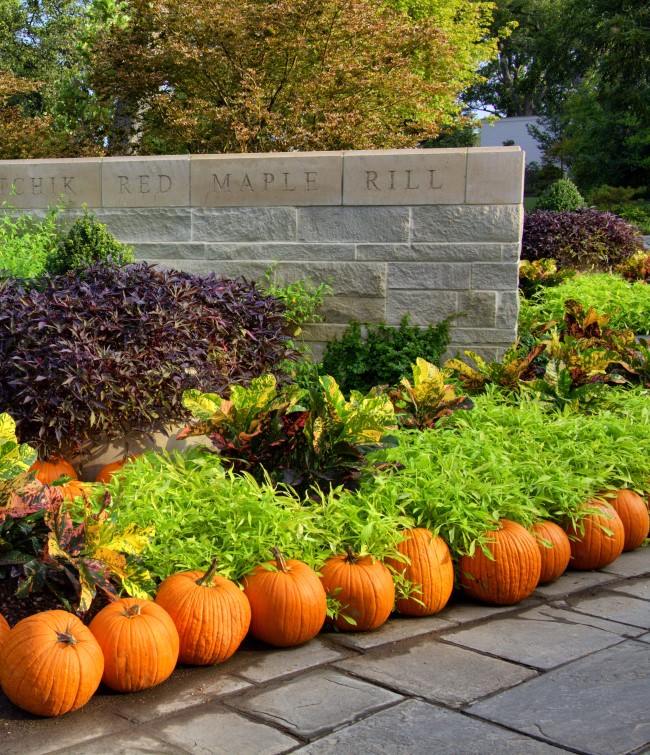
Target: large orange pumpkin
x=108, y=470
x=4, y=628
x=593, y=547
x=212, y=615
x=288, y=602
x=364, y=588
x=633, y=512
x=139, y=641
x=554, y=548
x=513, y=572
x=48, y=470
x=50, y=663
x=429, y=569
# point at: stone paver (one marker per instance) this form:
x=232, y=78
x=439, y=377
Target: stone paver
x=125, y=744
x=316, y=702
x=638, y=588
x=417, y=728
x=394, y=630
x=572, y=582
x=541, y=637
x=597, y=705
x=437, y=671
x=616, y=607
x=632, y=564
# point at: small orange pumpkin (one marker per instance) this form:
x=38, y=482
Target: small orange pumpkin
x=591, y=546
x=429, y=569
x=634, y=514
x=554, y=548
x=108, y=470
x=513, y=572
x=139, y=641
x=48, y=470
x=74, y=488
x=363, y=586
x=50, y=663
x=4, y=628
x=212, y=615
x=288, y=602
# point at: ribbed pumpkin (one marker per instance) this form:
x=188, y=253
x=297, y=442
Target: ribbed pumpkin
x=595, y=548
x=555, y=557
x=212, y=615
x=74, y=488
x=288, y=603
x=4, y=628
x=633, y=511
x=139, y=641
x=108, y=470
x=429, y=569
x=51, y=469
x=50, y=663
x=512, y=575
x=363, y=586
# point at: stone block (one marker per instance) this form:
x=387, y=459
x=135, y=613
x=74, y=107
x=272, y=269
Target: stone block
x=321, y=332
x=507, y=313
x=355, y=224
x=482, y=223
x=342, y=309
x=510, y=252
x=345, y=278
x=132, y=743
x=622, y=608
x=267, y=180
x=572, y=582
x=423, y=307
x=281, y=251
x=479, y=309
x=428, y=275
x=638, y=588
x=169, y=251
x=475, y=252
x=395, y=629
x=262, y=224
x=500, y=276
x=146, y=181
x=631, y=564
x=485, y=336
x=251, y=271
x=28, y=184
x=495, y=176
x=404, y=177
x=147, y=225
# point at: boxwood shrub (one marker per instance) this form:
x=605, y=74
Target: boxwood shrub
x=89, y=356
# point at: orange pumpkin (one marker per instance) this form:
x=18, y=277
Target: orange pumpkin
x=50, y=663
x=513, y=572
x=554, y=548
x=593, y=547
x=108, y=470
x=212, y=615
x=633, y=512
x=363, y=586
x=429, y=569
x=74, y=488
x=288, y=602
x=48, y=470
x=4, y=628
x=139, y=641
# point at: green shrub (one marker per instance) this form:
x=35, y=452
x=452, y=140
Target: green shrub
x=561, y=196
x=26, y=243
x=384, y=355
x=607, y=197
x=87, y=243
x=637, y=213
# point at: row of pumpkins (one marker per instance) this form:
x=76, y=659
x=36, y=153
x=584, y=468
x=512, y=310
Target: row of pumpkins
x=51, y=663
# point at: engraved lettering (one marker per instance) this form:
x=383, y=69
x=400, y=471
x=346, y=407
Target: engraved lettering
x=164, y=183
x=310, y=180
x=408, y=181
x=37, y=185
x=392, y=180
x=52, y=179
x=15, y=186
x=286, y=183
x=431, y=186
x=124, y=185
x=144, y=184
x=225, y=186
x=246, y=183
x=67, y=189
x=268, y=180
x=3, y=181
x=371, y=179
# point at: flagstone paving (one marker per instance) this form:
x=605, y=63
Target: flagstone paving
x=568, y=670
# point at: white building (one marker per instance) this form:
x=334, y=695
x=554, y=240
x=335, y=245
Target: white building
x=512, y=131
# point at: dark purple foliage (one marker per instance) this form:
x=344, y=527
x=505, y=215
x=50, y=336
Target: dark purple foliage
x=584, y=239
x=89, y=356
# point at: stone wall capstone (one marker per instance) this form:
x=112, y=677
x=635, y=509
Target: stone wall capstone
x=428, y=233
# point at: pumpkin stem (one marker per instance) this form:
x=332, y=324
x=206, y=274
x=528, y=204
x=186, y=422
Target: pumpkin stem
x=132, y=611
x=67, y=637
x=209, y=574
x=279, y=560
x=352, y=557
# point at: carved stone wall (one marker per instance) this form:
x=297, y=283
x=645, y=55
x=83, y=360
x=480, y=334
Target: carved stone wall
x=424, y=232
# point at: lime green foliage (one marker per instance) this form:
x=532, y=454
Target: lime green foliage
x=521, y=463
x=628, y=303
x=561, y=196
x=384, y=354
x=88, y=242
x=200, y=510
x=26, y=242
x=508, y=373
x=539, y=274
x=428, y=399
x=302, y=298
x=15, y=459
